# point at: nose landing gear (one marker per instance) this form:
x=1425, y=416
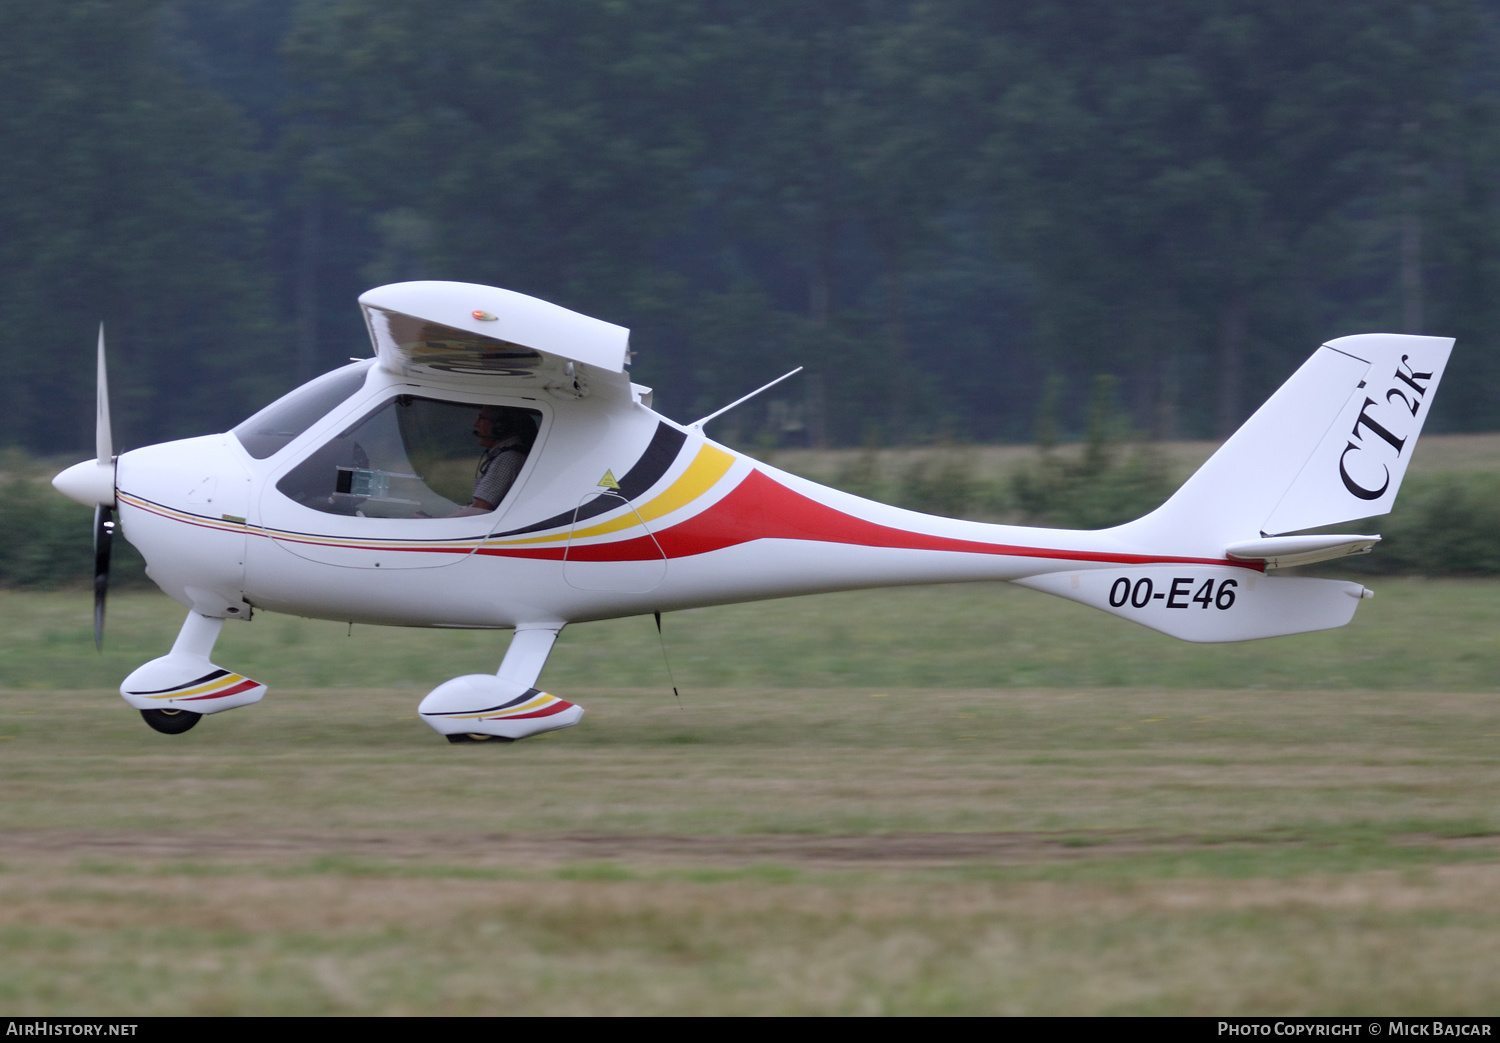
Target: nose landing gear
x=186, y=676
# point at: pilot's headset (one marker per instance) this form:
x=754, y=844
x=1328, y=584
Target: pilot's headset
x=510, y=423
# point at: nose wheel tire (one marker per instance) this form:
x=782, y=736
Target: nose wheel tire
x=476, y=737
x=171, y=722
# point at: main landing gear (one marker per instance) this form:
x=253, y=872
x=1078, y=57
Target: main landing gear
x=504, y=706
x=171, y=722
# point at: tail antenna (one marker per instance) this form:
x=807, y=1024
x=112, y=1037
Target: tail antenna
x=746, y=398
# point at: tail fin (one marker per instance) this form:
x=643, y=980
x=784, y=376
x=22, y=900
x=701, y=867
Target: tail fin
x=1331, y=445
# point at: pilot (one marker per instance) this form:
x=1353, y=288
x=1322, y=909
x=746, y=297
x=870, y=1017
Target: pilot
x=506, y=435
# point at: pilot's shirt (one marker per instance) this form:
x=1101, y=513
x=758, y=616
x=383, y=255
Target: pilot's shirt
x=497, y=471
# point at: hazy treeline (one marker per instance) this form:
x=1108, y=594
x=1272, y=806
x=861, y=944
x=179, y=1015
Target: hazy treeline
x=948, y=210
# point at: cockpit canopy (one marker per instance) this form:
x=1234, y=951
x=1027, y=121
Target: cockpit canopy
x=270, y=430
x=413, y=457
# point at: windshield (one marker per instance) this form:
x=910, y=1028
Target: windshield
x=269, y=431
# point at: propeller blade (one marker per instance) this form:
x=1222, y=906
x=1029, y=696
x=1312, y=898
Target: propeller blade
x=103, y=442
x=104, y=534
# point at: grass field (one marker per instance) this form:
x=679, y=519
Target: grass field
x=941, y=800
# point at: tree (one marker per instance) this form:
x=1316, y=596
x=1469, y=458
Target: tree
x=122, y=190
x=1178, y=167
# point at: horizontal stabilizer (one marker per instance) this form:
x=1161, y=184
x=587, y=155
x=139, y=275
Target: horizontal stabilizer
x=1280, y=552
x=1208, y=602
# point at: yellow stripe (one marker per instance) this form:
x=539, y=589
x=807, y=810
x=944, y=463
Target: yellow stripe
x=175, y=515
x=707, y=468
x=350, y=543
x=223, y=682
x=540, y=700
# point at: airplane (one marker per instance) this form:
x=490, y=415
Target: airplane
x=492, y=465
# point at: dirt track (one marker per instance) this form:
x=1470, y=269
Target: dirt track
x=879, y=851
x=899, y=850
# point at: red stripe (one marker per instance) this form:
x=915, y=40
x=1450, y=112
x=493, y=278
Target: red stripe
x=760, y=508
x=281, y=537
x=220, y=695
x=548, y=712
x=310, y=539
x=559, y=553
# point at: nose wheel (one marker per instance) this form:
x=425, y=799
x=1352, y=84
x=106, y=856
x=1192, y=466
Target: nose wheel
x=171, y=722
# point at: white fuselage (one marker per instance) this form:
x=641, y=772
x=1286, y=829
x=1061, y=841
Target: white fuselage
x=698, y=524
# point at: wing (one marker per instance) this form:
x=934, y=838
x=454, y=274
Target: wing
x=463, y=332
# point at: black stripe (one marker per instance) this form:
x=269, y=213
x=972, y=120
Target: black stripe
x=488, y=709
x=189, y=684
x=654, y=462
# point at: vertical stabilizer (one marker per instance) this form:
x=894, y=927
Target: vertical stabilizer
x=1357, y=468
x=1331, y=445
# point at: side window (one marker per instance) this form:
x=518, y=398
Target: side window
x=417, y=458
x=269, y=431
